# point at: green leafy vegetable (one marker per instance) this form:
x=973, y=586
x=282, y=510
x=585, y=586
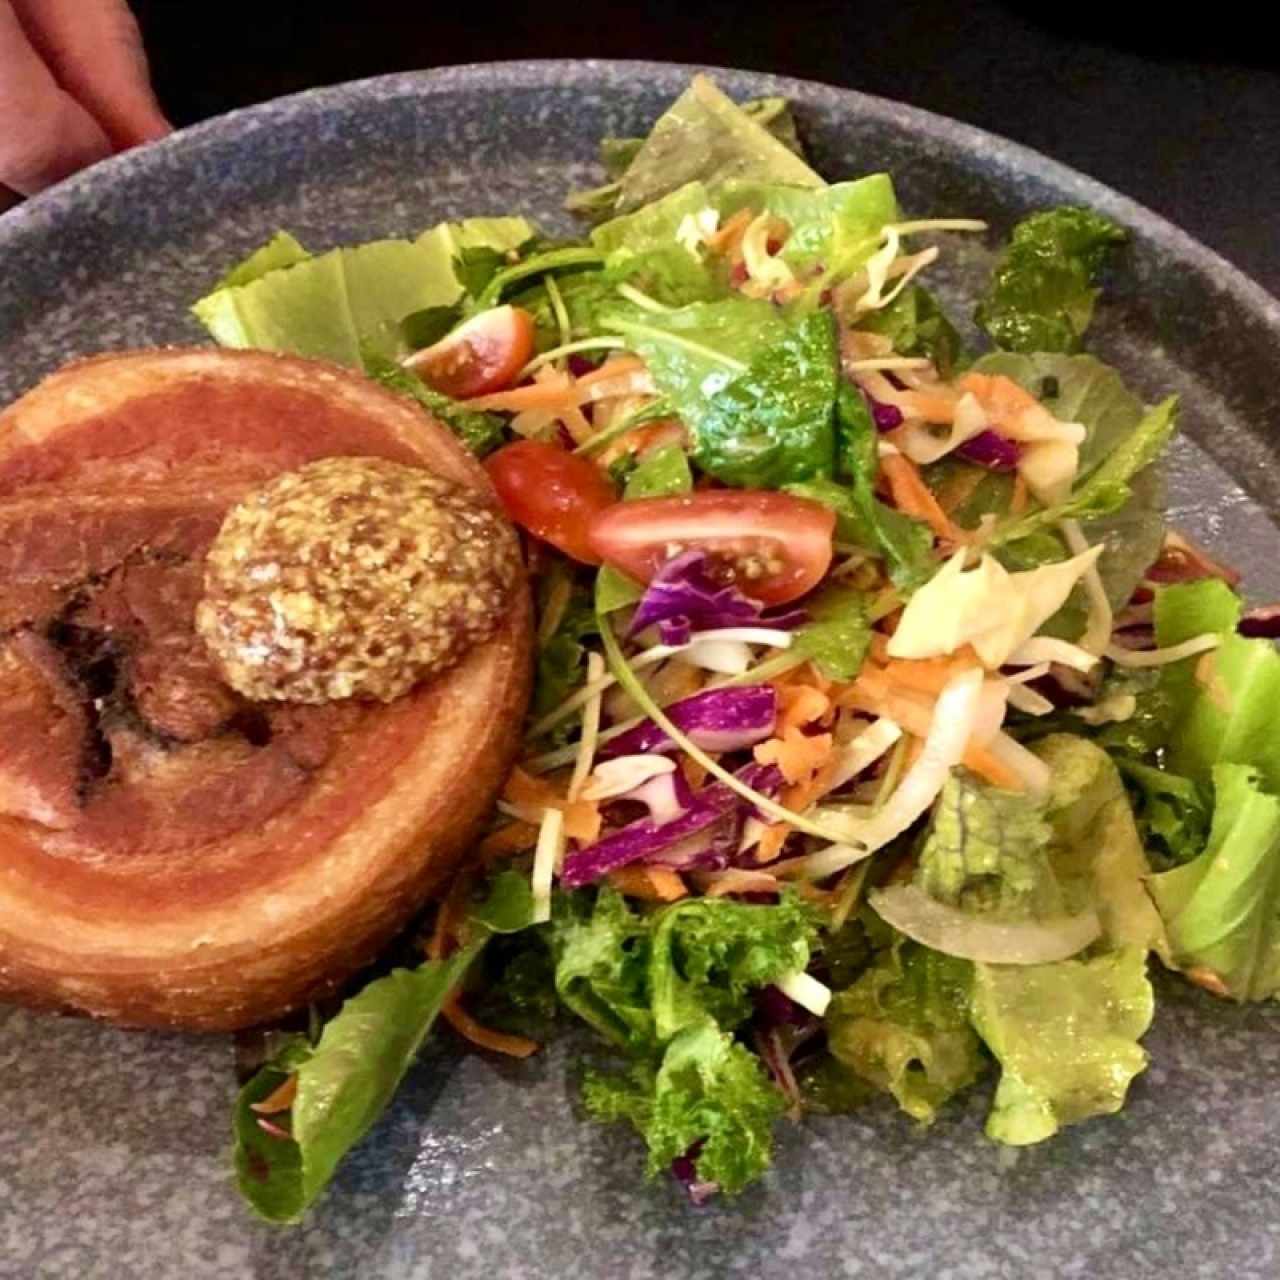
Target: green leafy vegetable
x=708, y=1092
x=1066, y=1037
x=1042, y=291
x=904, y=1028
x=480, y=432
x=1222, y=909
x=562, y=656
x=1172, y=812
x=340, y=304
x=754, y=386
x=344, y=1084
x=917, y=326
x=562, y=258
x=282, y=250
x=704, y=136
x=838, y=633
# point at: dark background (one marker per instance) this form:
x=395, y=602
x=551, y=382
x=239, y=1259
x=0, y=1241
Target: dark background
x=1183, y=114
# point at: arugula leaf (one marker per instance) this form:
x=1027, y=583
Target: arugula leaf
x=476, y=268
x=282, y=250
x=903, y=1027
x=708, y=1094
x=1066, y=1037
x=480, y=432
x=753, y=385
x=838, y=634
x=1042, y=292
x=704, y=136
x=584, y=295
x=1222, y=909
x=561, y=658
x=917, y=326
x=344, y=1084
x=561, y=258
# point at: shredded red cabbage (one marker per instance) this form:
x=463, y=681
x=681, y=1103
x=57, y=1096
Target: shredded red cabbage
x=646, y=838
x=684, y=1169
x=992, y=450
x=684, y=598
x=715, y=719
x=887, y=417
x=1261, y=624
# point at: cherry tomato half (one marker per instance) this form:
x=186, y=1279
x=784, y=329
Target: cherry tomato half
x=773, y=546
x=481, y=356
x=552, y=493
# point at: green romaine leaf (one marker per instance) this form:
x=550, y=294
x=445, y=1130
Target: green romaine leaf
x=1042, y=292
x=480, y=432
x=705, y=137
x=1172, y=812
x=1230, y=719
x=281, y=251
x=838, y=634
x=904, y=1028
x=1222, y=909
x=344, y=1084
x=754, y=386
x=509, y=906
x=1066, y=1037
x=917, y=326
x=707, y=1090
x=339, y=304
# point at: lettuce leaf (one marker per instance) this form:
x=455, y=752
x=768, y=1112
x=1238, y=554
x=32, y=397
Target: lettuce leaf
x=1222, y=909
x=1066, y=1037
x=838, y=633
x=480, y=432
x=345, y=1082
x=755, y=386
x=282, y=250
x=917, y=326
x=1042, y=293
x=704, y=136
x=617, y=155
x=903, y=1027
x=707, y=1094
x=336, y=305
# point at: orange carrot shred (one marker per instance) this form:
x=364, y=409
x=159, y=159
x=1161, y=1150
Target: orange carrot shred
x=651, y=884
x=1018, y=501
x=797, y=754
x=913, y=497
x=513, y=837
x=801, y=704
x=279, y=1099
x=485, y=1037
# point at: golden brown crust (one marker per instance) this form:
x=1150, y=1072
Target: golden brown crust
x=145, y=912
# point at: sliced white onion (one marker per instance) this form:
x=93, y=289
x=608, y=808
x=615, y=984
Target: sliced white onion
x=1097, y=634
x=728, y=657
x=546, y=858
x=806, y=991
x=924, y=446
x=957, y=933
x=764, y=268
x=1028, y=700
x=864, y=750
x=1162, y=657
x=1047, y=649
x=1032, y=772
x=1028, y=674
x=949, y=733
x=992, y=705
x=613, y=778
x=772, y=636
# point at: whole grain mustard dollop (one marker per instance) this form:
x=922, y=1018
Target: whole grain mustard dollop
x=353, y=577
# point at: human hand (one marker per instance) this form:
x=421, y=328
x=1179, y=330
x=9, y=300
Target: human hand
x=74, y=88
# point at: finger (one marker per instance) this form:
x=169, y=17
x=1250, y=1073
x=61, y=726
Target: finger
x=44, y=133
x=95, y=52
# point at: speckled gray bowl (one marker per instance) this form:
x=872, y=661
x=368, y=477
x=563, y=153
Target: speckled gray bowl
x=114, y=1162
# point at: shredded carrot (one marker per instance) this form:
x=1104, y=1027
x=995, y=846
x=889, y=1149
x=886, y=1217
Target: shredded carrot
x=279, y=1099
x=614, y=368
x=801, y=704
x=513, y=837
x=695, y=774
x=725, y=239
x=576, y=422
x=929, y=675
x=797, y=754
x=912, y=496
x=449, y=917
x=485, y=1037
x=1018, y=501
x=581, y=817
x=987, y=766
x=651, y=884
x=715, y=884
x=1000, y=396
x=772, y=838
x=550, y=393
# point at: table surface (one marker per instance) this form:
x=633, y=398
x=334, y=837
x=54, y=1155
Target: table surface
x=1181, y=118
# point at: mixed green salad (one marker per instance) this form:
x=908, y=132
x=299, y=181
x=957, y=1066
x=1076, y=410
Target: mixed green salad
x=882, y=729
